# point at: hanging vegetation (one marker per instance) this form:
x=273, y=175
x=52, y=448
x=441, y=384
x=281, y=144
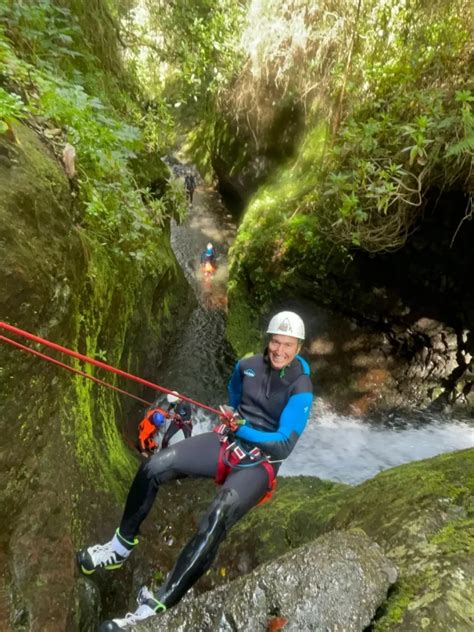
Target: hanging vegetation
x=52, y=63
x=384, y=88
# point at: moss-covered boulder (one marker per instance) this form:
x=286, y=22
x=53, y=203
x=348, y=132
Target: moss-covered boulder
x=298, y=512
x=421, y=515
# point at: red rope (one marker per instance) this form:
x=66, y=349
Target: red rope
x=102, y=365
x=72, y=369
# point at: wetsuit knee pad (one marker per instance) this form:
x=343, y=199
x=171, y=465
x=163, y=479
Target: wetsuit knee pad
x=161, y=467
x=224, y=510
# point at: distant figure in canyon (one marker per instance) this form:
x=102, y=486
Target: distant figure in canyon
x=270, y=397
x=208, y=260
x=180, y=413
x=190, y=186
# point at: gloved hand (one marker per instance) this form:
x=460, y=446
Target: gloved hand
x=231, y=417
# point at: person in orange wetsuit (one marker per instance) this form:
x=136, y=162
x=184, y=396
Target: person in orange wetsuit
x=147, y=431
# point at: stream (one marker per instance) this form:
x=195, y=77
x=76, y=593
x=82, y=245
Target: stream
x=348, y=448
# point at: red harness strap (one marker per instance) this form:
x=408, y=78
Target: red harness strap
x=181, y=423
x=231, y=454
x=272, y=483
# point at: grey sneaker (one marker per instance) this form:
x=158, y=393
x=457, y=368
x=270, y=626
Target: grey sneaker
x=148, y=606
x=105, y=555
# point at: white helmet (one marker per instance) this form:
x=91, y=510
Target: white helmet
x=287, y=324
x=172, y=397
x=209, y=246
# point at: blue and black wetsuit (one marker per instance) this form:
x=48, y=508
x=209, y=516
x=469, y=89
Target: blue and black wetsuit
x=208, y=255
x=275, y=405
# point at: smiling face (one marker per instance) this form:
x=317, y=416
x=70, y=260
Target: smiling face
x=282, y=350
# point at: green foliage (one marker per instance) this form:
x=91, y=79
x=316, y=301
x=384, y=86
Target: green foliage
x=465, y=145
x=42, y=30
x=380, y=167
x=391, y=82
x=113, y=205
x=47, y=58
x=11, y=108
x=158, y=127
x=190, y=52
x=105, y=143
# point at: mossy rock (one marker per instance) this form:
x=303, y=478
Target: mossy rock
x=243, y=329
x=150, y=172
x=65, y=465
x=40, y=244
x=422, y=514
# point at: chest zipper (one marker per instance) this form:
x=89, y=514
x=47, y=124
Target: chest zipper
x=268, y=384
x=281, y=375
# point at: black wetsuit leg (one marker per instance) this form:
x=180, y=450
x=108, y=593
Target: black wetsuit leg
x=171, y=431
x=241, y=491
x=197, y=456
x=187, y=430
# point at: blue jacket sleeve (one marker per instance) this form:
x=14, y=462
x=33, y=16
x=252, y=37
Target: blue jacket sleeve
x=234, y=387
x=292, y=423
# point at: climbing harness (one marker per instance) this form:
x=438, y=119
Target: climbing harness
x=181, y=423
x=233, y=456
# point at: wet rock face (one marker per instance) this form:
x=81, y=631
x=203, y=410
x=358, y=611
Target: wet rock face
x=389, y=364
x=439, y=370
x=63, y=465
x=422, y=298
x=334, y=583
x=419, y=513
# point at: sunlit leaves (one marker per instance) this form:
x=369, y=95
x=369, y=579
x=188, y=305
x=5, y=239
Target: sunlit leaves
x=11, y=108
x=198, y=51
x=464, y=144
x=45, y=56
x=43, y=31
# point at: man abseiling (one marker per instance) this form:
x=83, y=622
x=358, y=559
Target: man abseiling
x=270, y=397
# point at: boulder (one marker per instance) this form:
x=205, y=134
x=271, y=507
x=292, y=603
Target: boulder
x=419, y=513
x=334, y=583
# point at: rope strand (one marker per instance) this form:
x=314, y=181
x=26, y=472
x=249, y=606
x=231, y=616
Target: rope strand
x=100, y=364
x=43, y=356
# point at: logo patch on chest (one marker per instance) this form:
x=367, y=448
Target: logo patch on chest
x=249, y=372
